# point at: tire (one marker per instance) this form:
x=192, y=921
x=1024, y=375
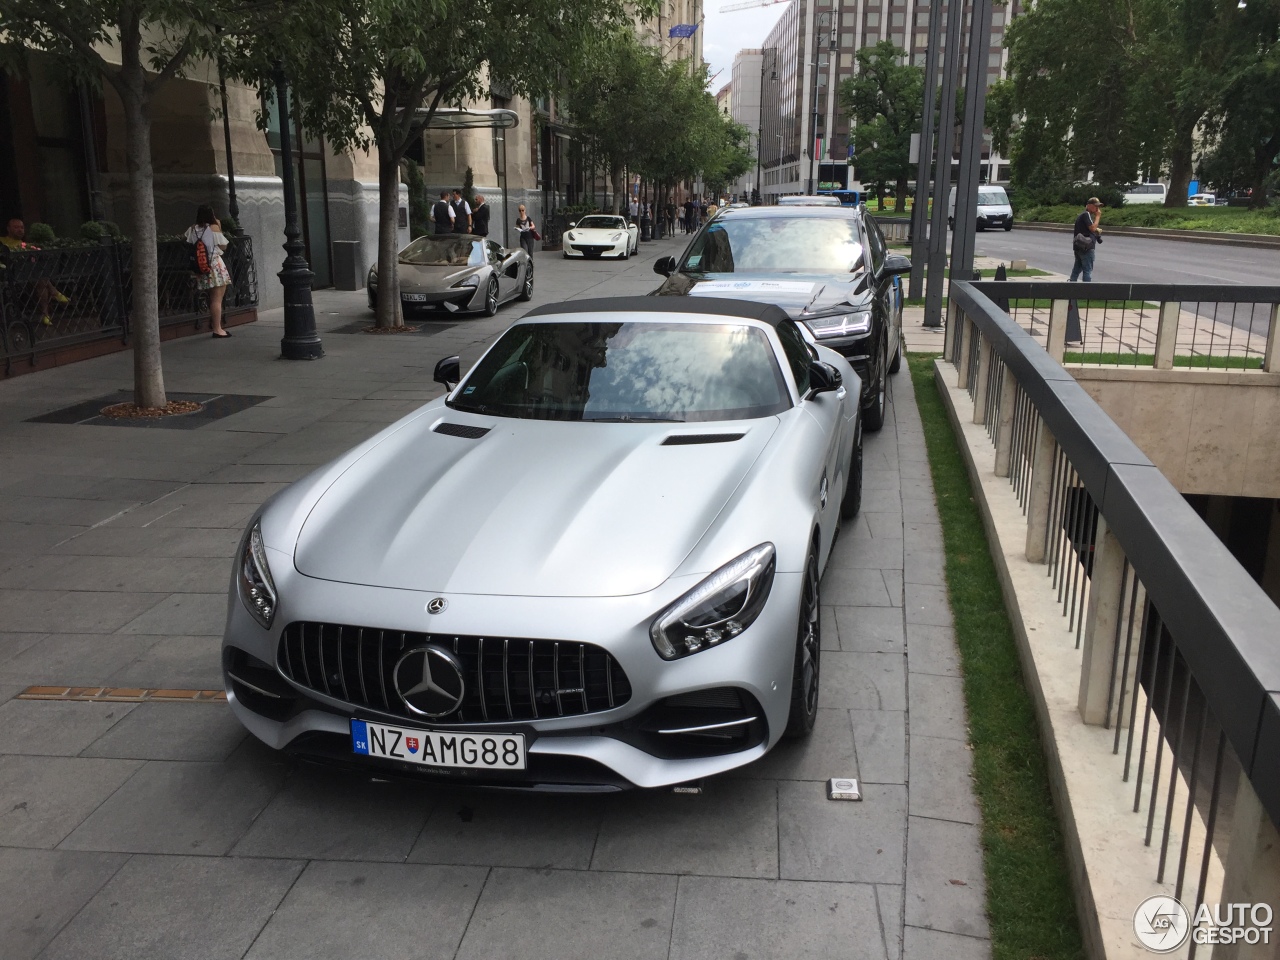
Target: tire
x=873, y=416
x=852, y=501
x=491, y=298
x=20, y=339
x=806, y=670
x=526, y=288
x=1008, y=226
x=897, y=357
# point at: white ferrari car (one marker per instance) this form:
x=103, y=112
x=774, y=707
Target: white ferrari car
x=601, y=235
x=593, y=565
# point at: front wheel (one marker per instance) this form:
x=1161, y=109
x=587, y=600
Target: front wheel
x=805, y=671
x=1008, y=226
x=491, y=298
x=526, y=288
x=873, y=415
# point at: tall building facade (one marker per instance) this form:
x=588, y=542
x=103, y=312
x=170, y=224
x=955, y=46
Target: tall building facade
x=811, y=51
x=745, y=109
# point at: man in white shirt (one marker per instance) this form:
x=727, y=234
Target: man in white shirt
x=461, y=213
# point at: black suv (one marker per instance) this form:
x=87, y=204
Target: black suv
x=828, y=267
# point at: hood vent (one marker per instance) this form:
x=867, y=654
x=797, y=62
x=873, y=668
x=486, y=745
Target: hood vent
x=685, y=439
x=464, y=430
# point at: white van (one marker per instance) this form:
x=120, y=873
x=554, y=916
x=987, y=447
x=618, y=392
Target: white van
x=993, y=208
x=1145, y=193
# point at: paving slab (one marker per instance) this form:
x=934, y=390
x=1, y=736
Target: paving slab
x=42, y=890
x=571, y=915
x=52, y=729
x=946, y=889
x=42, y=799
x=166, y=731
x=870, y=629
x=336, y=911
x=853, y=842
x=161, y=908
x=725, y=919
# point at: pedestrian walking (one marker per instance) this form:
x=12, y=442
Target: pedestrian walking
x=461, y=213
x=528, y=229
x=213, y=277
x=1085, y=236
x=671, y=217
x=442, y=214
x=480, y=217
x=689, y=212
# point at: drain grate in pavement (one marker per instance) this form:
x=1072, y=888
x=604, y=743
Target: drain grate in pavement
x=216, y=406
x=123, y=694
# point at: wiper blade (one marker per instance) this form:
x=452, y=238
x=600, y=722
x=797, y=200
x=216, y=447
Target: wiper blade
x=633, y=419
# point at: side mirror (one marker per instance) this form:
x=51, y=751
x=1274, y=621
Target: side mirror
x=823, y=378
x=572, y=225
x=896, y=263
x=665, y=266
x=448, y=372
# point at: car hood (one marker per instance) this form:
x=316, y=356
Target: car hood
x=594, y=233
x=433, y=278
x=501, y=515
x=799, y=296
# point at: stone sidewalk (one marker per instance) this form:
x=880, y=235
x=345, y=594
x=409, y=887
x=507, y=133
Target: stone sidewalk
x=160, y=830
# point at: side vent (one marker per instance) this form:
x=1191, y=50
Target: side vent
x=685, y=439
x=463, y=430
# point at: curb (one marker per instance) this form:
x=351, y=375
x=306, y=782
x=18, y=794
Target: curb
x=1186, y=236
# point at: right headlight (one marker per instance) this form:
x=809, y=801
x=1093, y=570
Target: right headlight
x=717, y=609
x=257, y=589
x=855, y=323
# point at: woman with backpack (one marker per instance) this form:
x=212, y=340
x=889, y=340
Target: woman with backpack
x=207, y=243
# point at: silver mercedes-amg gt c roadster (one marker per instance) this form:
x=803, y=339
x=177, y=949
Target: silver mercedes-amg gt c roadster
x=593, y=564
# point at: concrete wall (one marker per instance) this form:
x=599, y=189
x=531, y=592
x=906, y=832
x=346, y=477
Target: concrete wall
x=1209, y=432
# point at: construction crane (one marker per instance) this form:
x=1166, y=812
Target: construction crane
x=748, y=4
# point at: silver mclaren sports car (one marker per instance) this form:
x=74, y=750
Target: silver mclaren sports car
x=458, y=272
x=592, y=564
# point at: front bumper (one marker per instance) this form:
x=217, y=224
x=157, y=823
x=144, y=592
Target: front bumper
x=456, y=298
x=614, y=748
x=596, y=249
x=858, y=351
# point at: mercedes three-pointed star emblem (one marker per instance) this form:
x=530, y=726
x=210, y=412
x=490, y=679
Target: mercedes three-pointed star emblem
x=429, y=681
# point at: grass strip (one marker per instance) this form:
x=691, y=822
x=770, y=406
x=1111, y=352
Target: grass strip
x=1218, y=219
x=1029, y=902
x=1148, y=360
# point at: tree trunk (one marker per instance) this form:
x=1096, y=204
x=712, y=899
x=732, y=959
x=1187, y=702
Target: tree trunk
x=148, y=375
x=1264, y=158
x=390, y=312
x=900, y=202
x=1180, y=166
x=615, y=181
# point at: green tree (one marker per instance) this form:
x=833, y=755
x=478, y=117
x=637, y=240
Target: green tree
x=372, y=74
x=732, y=158
x=154, y=40
x=884, y=98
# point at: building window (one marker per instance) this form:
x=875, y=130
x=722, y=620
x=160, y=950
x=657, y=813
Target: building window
x=899, y=19
x=993, y=60
x=873, y=19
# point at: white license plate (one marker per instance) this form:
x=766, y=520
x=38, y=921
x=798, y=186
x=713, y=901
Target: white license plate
x=433, y=748
x=414, y=297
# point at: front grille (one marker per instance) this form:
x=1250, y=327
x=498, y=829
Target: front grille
x=506, y=679
x=590, y=250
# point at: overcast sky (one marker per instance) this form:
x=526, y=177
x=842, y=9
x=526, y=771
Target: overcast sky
x=727, y=33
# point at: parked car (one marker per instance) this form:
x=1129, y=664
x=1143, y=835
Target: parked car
x=828, y=267
x=601, y=235
x=1202, y=200
x=993, y=209
x=594, y=563
x=826, y=200
x=1145, y=193
x=458, y=272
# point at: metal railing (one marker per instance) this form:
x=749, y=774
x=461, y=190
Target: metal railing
x=1156, y=325
x=1176, y=638
x=60, y=296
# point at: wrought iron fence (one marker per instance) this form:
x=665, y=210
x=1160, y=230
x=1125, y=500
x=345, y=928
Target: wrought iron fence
x=1149, y=324
x=60, y=296
x=1179, y=651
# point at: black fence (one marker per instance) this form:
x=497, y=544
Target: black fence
x=61, y=296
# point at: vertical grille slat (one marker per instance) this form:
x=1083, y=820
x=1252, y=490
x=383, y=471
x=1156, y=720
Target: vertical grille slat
x=356, y=665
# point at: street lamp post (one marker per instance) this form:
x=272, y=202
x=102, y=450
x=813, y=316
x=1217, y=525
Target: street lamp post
x=773, y=79
x=824, y=20
x=300, y=341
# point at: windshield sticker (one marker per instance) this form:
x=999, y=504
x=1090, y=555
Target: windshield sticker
x=754, y=286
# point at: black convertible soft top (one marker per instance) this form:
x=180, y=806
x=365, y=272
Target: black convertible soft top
x=709, y=306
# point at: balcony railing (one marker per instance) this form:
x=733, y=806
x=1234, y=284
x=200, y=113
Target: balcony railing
x=1177, y=648
x=61, y=296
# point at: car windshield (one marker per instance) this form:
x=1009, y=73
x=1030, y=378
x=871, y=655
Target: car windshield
x=992, y=197
x=601, y=223
x=444, y=252
x=627, y=372
x=813, y=245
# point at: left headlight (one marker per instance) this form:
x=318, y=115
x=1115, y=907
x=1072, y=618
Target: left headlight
x=471, y=281
x=616, y=237
x=571, y=236
x=717, y=609
x=257, y=589
x=853, y=324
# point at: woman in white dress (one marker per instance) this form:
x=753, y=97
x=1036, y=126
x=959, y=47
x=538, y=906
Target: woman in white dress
x=208, y=230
